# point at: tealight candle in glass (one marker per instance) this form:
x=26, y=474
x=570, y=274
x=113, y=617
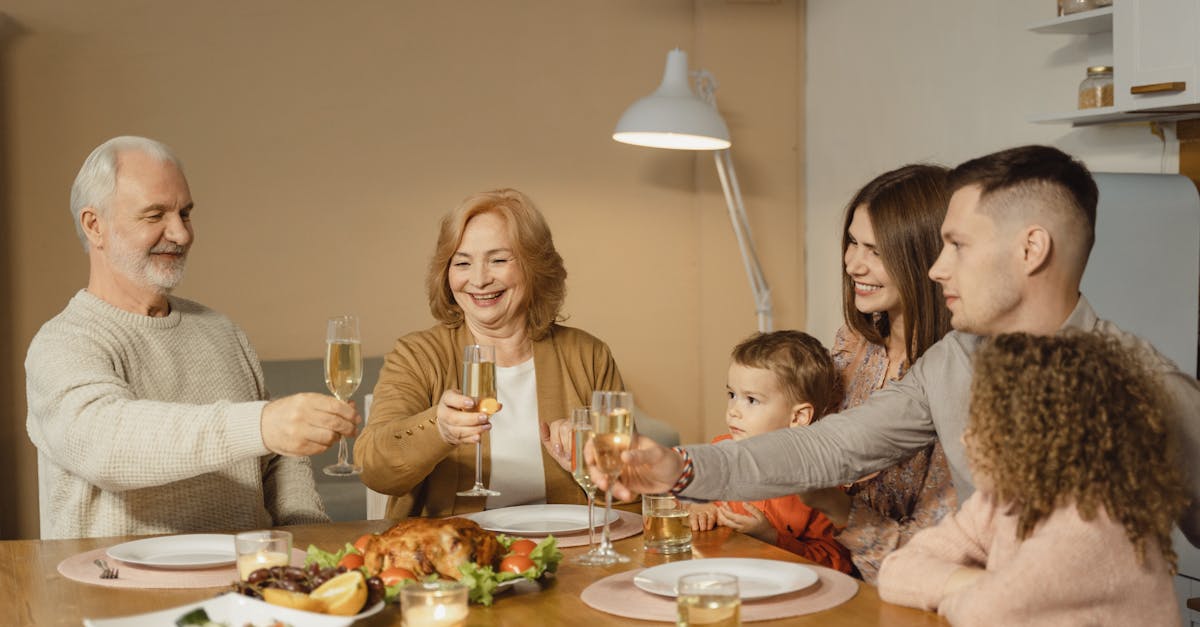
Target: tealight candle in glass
x=262, y=549
x=710, y=599
x=433, y=604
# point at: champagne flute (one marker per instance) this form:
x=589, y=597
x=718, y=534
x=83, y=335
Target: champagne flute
x=479, y=382
x=581, y=432
x=612, y=433
x=343, y=373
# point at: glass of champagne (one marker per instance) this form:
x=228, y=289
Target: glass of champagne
x=612, y=433
x=581, y=432
x=479, y=382
x=343, y=373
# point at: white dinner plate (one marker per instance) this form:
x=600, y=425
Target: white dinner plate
x=537, y=520
x=182, y=552
x=757, y=579
x=234, y=609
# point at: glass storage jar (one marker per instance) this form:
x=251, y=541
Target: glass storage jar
x=1076, y=6
x=1097, y=89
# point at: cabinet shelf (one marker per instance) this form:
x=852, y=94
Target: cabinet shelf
x=1086, y=23
x=1111, y=115
x=1098, y=115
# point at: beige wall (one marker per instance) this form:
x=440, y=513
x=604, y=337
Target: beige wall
x=323, y=140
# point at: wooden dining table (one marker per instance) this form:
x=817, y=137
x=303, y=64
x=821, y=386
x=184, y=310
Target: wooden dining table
x=39, y=595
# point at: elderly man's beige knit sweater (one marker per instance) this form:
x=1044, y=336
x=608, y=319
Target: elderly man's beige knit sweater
x=151, y=425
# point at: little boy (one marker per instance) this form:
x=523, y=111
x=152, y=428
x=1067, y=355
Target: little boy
x=778, y=380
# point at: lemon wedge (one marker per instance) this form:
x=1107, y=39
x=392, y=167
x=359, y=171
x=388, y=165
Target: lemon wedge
x=343, y=595
x=294, y=600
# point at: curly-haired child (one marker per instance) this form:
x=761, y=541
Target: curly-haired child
x=778, y=380
x=1077, y=491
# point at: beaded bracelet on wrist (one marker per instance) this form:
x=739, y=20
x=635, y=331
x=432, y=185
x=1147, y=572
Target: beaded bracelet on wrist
x=689, y=471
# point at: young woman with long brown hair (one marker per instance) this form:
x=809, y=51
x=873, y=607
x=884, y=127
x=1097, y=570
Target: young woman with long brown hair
x=893, y=312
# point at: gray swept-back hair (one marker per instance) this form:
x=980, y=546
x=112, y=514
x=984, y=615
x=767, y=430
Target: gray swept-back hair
x=97, y=178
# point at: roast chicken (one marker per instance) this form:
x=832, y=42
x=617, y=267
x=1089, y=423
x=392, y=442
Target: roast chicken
x=429, y=545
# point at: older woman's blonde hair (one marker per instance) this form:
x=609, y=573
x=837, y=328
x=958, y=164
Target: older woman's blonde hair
x=533, y=249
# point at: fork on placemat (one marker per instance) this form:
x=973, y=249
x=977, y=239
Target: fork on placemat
x=105, y=571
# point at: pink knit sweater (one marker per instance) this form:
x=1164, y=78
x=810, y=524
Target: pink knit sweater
x=1068, y=572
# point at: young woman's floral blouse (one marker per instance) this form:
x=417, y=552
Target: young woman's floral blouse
x=888, y=508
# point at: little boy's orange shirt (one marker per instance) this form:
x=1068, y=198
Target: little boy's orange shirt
x=802, y=529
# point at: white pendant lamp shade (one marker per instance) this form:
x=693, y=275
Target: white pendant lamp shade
x=672, y=116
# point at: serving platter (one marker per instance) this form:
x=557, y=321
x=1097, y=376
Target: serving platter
x=235, y=609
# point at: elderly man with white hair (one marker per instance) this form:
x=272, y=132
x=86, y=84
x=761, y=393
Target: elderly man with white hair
x=149, y=412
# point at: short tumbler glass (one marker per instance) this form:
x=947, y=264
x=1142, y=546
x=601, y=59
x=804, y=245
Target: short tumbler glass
x=665, y=525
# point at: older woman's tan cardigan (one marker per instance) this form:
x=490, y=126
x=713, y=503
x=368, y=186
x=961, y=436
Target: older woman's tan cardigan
x=403, y=455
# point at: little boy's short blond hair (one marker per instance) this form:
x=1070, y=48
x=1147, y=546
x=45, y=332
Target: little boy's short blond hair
x=799, y=362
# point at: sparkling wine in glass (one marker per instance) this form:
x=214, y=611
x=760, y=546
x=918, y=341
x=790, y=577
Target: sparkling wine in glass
x=479, y=382
x=343, y=373
x=612, y=434
x=581, y=432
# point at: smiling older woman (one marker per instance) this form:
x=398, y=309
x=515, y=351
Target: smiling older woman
x=495, y=278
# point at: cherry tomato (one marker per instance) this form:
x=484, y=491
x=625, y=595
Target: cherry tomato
x=522, y=547
x=393, y=576
x=351, y=561
x=516, y=564
x=361, y=543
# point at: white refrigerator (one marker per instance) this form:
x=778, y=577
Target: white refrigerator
x=1144, y=274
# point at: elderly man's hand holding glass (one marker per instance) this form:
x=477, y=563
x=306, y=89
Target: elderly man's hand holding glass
x=306, y=423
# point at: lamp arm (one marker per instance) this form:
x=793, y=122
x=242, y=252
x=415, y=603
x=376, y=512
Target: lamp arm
x=745, y=239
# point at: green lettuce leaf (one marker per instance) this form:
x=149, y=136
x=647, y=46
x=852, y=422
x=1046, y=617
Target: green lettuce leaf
x=326, y=559
x=546, y=555
x=481, y=581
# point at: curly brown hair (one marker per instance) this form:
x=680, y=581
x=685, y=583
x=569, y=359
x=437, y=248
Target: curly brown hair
x=801, y=365
x=1075, y=418
x=533, y=248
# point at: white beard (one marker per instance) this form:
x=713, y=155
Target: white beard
x=144, y=269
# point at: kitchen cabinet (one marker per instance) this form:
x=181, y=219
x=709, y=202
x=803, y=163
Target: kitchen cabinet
x=1154, y=48
x=1152, y=291
x=1157, y=45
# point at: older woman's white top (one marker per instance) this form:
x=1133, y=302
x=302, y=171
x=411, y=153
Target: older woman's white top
x=517, y=472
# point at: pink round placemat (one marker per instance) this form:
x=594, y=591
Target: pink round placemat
x=617, y=595
x=80, y=568
x=627, y=524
